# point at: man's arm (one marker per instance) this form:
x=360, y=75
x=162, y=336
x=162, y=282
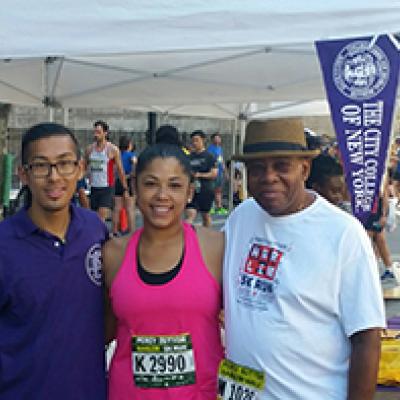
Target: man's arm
x=364, y=363
x=207, y=175
x=110, y=322
x=132, y=177
x=3, y=280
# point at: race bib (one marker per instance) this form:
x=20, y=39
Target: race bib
x=163, y=361
x=236, y=382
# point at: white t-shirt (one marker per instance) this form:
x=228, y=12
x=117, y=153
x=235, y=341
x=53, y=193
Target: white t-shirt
x=296, y=288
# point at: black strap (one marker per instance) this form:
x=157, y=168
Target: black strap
x=161, y=278
x=272, y=146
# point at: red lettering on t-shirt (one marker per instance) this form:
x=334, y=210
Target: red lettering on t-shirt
x=263, y=261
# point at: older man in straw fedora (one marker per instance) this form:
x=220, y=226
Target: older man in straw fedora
x=303, y=304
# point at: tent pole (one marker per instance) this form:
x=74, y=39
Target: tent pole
x=152, y=127
x=243, y=119
x=46, y=85
x=231, y=164
x=50, y=111
x=66, y=116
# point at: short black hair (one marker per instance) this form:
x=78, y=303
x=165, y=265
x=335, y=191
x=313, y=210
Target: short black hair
x=124, y=142
x=40, y=131
x=44, y=130
x=198, y=132
x=323, y=167
x=214, y=135
x=168, y=134
x=163, y=150
x=103, y=124
x=313, y=141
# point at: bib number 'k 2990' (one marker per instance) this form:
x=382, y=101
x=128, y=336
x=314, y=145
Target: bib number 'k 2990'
x=163, y=361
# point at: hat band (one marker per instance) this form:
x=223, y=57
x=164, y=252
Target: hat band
x=272, y=146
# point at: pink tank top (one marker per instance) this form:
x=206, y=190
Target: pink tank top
x=168, y=337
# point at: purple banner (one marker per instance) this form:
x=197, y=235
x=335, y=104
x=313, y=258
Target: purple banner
x=361, y=78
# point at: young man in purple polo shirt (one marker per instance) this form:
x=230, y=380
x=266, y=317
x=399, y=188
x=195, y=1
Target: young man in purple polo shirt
x=51, y=301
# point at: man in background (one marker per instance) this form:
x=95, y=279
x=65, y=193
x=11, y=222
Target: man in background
x=204, y=170
x=215, y=149
x=101, y=157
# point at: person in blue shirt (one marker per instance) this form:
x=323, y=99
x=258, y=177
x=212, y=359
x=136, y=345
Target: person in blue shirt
x=215, y=149
x=51, y=295
x=81, y=197
x=129, y=160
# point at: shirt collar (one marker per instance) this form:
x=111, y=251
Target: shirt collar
x=24, y=226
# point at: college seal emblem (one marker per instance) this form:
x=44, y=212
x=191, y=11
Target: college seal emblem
x=360, y=71
x=93, y=264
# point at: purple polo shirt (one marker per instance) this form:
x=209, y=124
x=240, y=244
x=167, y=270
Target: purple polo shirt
x=51, y=310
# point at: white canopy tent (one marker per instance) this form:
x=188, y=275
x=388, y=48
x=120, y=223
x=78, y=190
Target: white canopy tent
x=184, y=57
x=213, y=58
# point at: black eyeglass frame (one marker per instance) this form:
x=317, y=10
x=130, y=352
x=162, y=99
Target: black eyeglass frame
x=50, y=166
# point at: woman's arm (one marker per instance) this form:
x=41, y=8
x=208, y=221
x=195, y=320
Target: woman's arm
x=212, y=249
x=113, y=253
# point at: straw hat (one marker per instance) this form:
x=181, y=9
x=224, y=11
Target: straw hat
x=275, y=138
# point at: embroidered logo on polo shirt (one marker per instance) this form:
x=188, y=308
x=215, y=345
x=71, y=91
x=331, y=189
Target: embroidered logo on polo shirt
x=93, y=264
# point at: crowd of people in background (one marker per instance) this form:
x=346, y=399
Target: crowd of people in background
x=111, y=195
x=163, y=283
x=328, y=179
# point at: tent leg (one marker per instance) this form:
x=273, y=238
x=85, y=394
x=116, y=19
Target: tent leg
x=4, y=139
x=244, y=174
x=50, y=113
x=66, y=116
x=231, y=165
x=152, y=127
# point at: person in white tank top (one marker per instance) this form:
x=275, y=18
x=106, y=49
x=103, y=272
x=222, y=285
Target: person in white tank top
x=100, y=158
x=302, y=297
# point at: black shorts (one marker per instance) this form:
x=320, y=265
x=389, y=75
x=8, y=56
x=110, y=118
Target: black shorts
x=373, y=221
x=101, y=197
x=119, y=190
x=202, y=201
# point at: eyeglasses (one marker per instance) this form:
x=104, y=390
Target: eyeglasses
x=43, y=169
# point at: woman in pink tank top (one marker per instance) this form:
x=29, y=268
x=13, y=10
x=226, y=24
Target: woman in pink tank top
x=165, y=291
